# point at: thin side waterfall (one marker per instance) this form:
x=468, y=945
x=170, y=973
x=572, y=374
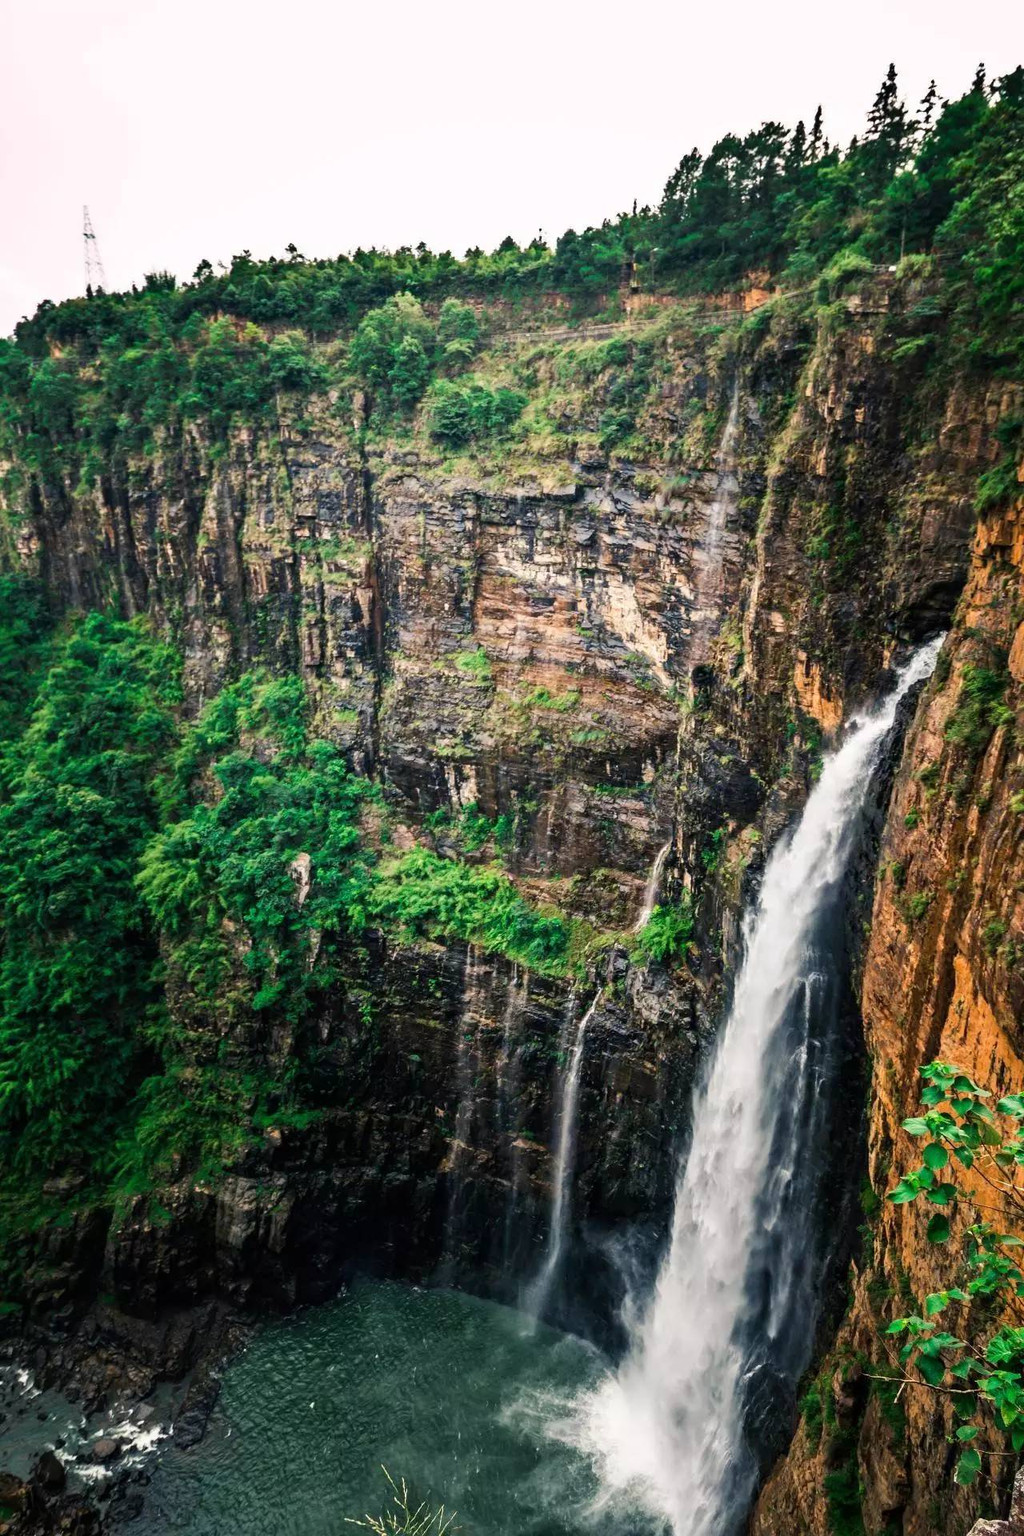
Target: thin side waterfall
x=466, y=1078
x=508, y=1073
x=653, y=887
x=730, y=1323
x=728, y=485
x=537, y=1294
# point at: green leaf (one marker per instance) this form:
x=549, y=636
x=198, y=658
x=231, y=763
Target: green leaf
x=968, y=1467
x=942, y=1194
x=938, y=1229
x=932, y=1369
x=916, y=1127
x=967, y=1432
x=935, y=1155
x=934, y=1304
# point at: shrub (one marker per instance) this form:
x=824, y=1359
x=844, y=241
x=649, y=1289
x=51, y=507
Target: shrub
x=458, y=413
x=392, y=350
x=980, y=1366
x=458, y=333
x=667, y=932
x=430, y=897
x=979, y=707
x=845, y=268
x=77, y=963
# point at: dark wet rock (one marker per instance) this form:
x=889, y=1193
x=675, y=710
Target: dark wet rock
x=48, y=1473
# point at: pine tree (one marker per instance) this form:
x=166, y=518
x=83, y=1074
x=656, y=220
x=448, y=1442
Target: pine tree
x=816, y=138
x=928, y=104
x=796, y=150
x=889, y=136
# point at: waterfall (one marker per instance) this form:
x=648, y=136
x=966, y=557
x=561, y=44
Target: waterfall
x=538, y=1292
x=652, y=887
x=467, y=1069
x=508, y=1073
x=733, y=1308
x=727, y=488
x=709, y=574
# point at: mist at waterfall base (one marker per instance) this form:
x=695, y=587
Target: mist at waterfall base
x=729, y=1326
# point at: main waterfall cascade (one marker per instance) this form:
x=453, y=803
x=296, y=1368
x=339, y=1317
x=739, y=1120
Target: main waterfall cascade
x=735, y=1298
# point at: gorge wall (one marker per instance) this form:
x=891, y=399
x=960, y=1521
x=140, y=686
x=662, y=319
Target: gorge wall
x=564, y=657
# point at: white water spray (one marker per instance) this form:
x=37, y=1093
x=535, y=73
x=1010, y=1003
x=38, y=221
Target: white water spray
x=734, y=1301
x=652, y=888
x=537, y=1295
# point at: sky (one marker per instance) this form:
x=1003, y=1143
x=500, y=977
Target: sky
x=199, y=128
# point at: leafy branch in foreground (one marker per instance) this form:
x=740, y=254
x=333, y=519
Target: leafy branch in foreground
x=982, y=1374
x=405, y=1521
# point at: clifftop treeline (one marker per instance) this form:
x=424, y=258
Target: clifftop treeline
x=946, y=177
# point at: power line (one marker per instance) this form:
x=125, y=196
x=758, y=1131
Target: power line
x=95, y=277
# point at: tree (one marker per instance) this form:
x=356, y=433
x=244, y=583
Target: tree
x=816, y=136
x=458, y=332
x=392, y=350
x=928, y=105
x=979, y=1208
x=889, y=135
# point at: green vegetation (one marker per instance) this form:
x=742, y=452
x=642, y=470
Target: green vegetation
x=405, y=1520
x=476, y=664
x=667, y=933
x=425, y=896
x=979, y=708
x=943, y=188
x=457, y=413
x=1000, y=483
x=980, y=1368
x=392, y=349
x=80, y=799
x=156, y=875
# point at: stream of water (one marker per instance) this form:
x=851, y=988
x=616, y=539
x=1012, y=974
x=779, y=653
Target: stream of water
x=539, y=1291
x=734, y=1302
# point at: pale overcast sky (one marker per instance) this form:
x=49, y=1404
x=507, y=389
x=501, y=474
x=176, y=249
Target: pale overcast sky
x=201, y=127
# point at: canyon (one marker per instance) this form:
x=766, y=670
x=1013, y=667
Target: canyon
x=615, y=674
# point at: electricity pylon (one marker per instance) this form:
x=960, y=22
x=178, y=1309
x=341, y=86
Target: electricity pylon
x=95, y=277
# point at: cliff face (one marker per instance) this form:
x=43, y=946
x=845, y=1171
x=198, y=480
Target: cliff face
x=941, y=979
x=616, y=655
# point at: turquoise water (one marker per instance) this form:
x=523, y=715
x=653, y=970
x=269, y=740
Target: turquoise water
x=450, y=1392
